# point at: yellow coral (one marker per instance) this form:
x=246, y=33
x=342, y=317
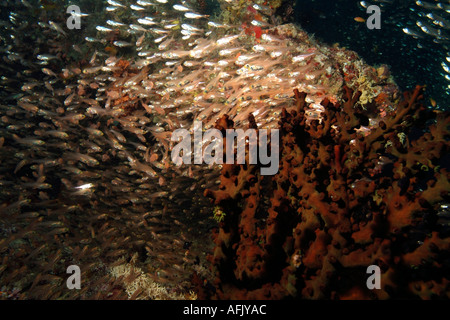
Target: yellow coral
x=150, y=289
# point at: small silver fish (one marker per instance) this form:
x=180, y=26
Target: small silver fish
x=111, y=9
x=363, y=4
x=159, y=31
x=445, y=67
x=137, y=28
x=190, y=27
x=91, y=39
x=261, y=8
x=215, y=24
x=165, y=44
x=115, y=3
x=79, y=15
x=136, y=8
x=103, y=29
x=411, y=32
x=427, y=5
x=57, y=28
x=158, y=40
x=170, y=26
x=179, y=7
x=146, y=21
x=94, y=56
x=121, y=44
x=258, y=23
x=302, y=57
x=144, y=3
x=229, y=51
x=140, y=40
x=175, y=54
x=226, y=40
x=192, y=15
x=48, y=72
x=114, y=23
x=46, y=57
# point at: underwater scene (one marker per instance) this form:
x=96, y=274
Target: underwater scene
x=224, y=150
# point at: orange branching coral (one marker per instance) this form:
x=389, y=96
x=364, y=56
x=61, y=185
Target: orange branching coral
x=343, y=199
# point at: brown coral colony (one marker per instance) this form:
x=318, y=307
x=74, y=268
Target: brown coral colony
x=341, y=201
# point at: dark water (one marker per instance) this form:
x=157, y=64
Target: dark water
x=412, y=61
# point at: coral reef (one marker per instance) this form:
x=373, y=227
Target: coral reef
x=140, y=285
x=86, y=120
x=343, y=199
x=242, y=10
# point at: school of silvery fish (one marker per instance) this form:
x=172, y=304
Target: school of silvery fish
x=429, y=21
x=85, y=143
